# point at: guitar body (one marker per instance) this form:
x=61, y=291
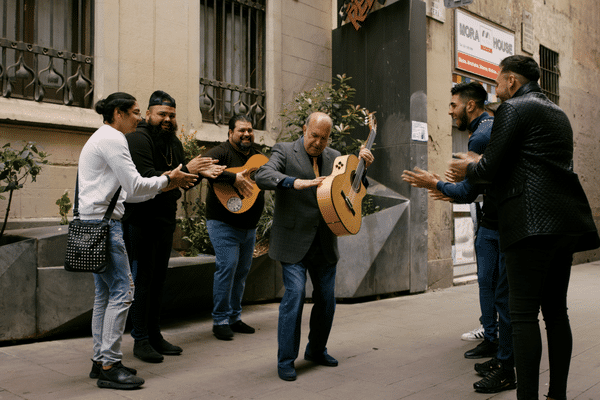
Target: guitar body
x=340, y=205
x=229, y=196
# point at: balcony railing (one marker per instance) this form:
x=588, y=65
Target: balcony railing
x=45, y=51
x=232, y=72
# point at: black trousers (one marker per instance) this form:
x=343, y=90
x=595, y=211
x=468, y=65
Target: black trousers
x=149, y=249
x=539, y=268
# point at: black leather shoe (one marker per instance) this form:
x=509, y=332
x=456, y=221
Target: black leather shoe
x=240, y=327
x=143, y=350
x=223, y=332
x=323, y=359
x=163, y=347
x=496, y=381
x=97, y=368
x=483, y=350
x=485, y=368
x=287, y=374
x=118, y=378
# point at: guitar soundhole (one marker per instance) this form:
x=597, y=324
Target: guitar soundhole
x=252, y=174
x=234, y=204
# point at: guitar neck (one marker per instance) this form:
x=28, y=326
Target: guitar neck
x=361, y=163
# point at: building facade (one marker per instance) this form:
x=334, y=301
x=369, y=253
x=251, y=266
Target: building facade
x=218, y=57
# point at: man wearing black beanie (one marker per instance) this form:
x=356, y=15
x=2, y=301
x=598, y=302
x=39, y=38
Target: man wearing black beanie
x=149, y=226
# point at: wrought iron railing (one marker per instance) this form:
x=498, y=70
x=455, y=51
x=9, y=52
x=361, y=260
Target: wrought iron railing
x=232, y=77
x=46, y=51
x=220, y=100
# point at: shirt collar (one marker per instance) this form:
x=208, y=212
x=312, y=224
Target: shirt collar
x=475, y=123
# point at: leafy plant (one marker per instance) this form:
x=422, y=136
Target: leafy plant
x=194, y=228
x=193, y=224
x=64, y=205
x=15, y=167
x=263, y=228
x=334, y=100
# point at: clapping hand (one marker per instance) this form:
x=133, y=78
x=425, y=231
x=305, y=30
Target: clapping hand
x=179, y=179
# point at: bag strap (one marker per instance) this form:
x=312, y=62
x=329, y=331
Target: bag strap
x=109, y=210
x=76, y=201
x=112, y=205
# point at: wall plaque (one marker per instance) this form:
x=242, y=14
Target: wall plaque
x=527, y=33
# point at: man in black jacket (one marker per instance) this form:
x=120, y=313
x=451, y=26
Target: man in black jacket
x=544, y=217
x=149, y=226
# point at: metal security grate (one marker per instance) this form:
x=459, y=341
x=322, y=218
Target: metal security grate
x=232, y=71
x=46, y=50
x=550, y=74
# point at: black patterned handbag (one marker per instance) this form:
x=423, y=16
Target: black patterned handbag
x=87, y=242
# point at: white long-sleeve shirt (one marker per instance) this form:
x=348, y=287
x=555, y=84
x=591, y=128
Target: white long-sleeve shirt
x=104, y=165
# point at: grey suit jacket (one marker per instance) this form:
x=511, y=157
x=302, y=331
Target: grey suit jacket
x=297, y=217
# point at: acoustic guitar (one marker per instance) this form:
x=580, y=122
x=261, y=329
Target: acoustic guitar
x=340, y=195
x=230, y=197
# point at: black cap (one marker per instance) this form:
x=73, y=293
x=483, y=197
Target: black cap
x=160, y=98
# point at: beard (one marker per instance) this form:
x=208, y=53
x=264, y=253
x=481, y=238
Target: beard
x=463, y=121
x=245, y=146
x=163, y=138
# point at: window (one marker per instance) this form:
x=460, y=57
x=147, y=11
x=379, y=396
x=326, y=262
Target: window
x=550, y=73
x=46, y=50
x=232, y=72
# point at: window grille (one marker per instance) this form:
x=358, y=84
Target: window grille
x=232, y=71
x=46, y=50
x=550, y=73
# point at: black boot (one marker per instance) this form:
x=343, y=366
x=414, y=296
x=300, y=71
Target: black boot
x=163, y=347
x=143, y=350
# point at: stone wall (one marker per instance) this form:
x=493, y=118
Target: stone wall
x=569, y=28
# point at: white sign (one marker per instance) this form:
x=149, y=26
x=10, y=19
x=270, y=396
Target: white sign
x=419, y=131
x=480, y=46
x=436, y=10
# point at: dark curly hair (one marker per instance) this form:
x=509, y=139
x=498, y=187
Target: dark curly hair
x=119, y=100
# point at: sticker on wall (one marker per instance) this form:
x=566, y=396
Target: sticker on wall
x=419, y=131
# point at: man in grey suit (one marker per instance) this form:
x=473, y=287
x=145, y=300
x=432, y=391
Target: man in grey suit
x=301, y=240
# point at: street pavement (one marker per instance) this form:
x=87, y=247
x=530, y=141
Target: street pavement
x=407, y=347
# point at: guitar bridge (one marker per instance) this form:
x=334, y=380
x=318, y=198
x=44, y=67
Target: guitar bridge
x=348, y=203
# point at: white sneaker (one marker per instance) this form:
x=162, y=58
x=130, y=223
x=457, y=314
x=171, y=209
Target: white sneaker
x=475, y=334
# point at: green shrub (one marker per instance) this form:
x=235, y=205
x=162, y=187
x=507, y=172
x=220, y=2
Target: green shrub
x=15, y=167
x=194, y=227
x=64, y=205
x=334, y=100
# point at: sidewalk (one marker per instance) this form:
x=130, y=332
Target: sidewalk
x=401, y=348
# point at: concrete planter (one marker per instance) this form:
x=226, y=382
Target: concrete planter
x=375, y=261
x=18, y=274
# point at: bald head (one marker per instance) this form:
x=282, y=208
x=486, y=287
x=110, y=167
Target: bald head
x=316, y=133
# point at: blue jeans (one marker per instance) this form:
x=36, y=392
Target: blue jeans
x=487, y=250
x=322, y=276
x=494, y=293
x=114, y=294
x=233, y=250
